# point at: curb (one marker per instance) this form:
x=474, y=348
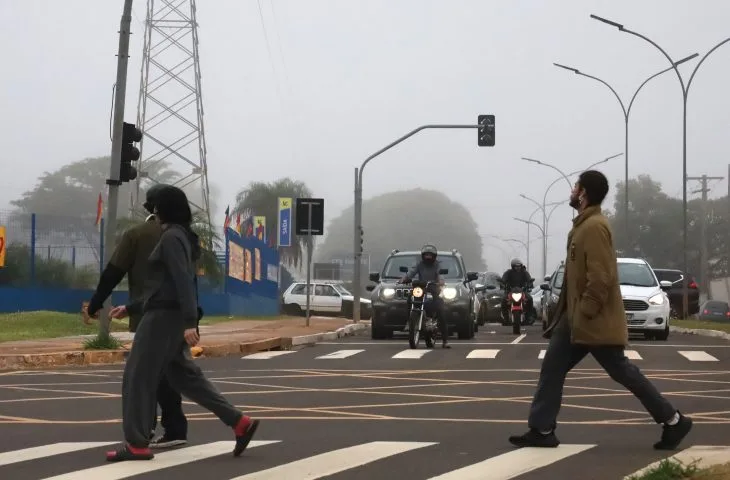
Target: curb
x=106, y=357
x=700, y=332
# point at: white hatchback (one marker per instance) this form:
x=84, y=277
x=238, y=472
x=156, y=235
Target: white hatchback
x=645, y=300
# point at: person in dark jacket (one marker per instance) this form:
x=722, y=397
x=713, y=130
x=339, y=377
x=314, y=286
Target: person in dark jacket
x=167, y=330
x=516, y=276
x=130, y=258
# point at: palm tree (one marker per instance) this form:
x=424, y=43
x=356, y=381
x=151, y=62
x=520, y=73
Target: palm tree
x=261, y=198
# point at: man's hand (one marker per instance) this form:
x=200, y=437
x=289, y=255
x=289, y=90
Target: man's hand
x=118, y=312
x=192, y=337
x=85, y=314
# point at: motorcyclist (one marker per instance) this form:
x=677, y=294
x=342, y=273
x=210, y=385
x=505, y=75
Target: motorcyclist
x=517, y=276
x=428, y=271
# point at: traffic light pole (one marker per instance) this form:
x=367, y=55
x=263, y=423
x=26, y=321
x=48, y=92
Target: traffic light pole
x=357, y=214
x=116, y=156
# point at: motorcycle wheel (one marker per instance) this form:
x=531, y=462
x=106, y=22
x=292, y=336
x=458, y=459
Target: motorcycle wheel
x=414, y=333
x=516, y=320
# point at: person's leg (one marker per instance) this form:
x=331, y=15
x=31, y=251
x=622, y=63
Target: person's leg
x=187, y=378
x=174, y=423
x=621, y=370
x=443, y=325
x=561, y=356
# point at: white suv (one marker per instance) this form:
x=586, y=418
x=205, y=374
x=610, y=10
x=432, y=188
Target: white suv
x=645, y=300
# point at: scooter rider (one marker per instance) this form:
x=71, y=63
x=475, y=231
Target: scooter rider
x=428, y=271
x=517, y=276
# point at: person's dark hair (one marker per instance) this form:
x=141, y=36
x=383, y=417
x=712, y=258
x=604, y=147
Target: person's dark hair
x=173, y=208
x=151, y=196
x=595, y=184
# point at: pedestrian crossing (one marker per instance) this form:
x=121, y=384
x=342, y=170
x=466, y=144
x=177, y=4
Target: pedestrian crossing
x=693, y=356
x=213, y=461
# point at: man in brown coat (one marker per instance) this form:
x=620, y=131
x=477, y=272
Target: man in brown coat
x=590, y=318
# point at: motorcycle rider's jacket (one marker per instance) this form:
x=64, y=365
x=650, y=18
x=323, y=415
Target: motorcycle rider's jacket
x=516, y=278
x=427, y=272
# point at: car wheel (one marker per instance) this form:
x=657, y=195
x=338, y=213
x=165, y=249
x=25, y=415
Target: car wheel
x=293, y=309
x=664, y=335
x=466, y=332
x=377, y=333
x=482, y=316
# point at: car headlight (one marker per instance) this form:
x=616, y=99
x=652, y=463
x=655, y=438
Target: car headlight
x=418, y=292
x=516, y=297
x=449, y=293
x=554, y=298
x=657, y=299
x=495, y=297
x=388, y=292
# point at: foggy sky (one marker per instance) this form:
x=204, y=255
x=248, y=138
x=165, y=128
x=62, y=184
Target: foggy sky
x=350, y=76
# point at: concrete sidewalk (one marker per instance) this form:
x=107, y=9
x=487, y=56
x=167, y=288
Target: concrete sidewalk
x=227, y=338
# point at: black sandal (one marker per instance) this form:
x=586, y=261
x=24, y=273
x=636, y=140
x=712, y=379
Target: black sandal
x=128, y=452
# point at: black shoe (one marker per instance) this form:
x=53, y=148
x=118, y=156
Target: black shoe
x=533, y=438
x=167, y=441
x=672, y=435
x=445, y=345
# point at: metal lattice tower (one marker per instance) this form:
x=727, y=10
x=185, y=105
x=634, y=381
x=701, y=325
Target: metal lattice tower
x=170, y=105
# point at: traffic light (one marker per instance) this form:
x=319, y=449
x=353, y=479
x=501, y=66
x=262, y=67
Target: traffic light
x=485, y=131
x=362, y=238
x=130, y=135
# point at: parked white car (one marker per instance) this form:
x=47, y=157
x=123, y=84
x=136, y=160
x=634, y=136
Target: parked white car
x=645, y=299
x=328, y=297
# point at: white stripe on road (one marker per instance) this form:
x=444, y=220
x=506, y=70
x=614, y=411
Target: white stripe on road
x=117, y=471
x=705, y=456
x=411, y=353
x=483, y=354
x=266, y=355
x=632, y=354
x=519, y=339
x=541, y=355
x=33, y=453
x=336, y=461
x=341, y=354
x=697, y=356
x=514, y=463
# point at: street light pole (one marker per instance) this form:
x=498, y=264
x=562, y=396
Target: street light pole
x=626, y=112
x=685, y=92
x=528, y=223
x=544, y=240
x=357, y=207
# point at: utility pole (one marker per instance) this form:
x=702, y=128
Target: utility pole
x=113, y=181
x=704, y=277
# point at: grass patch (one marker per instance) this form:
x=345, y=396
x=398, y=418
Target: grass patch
x=672, y=469
x=223, y=318
x=697, y=324
x=105, y=342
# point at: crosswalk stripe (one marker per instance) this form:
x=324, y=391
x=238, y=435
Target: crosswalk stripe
x=411, y=353
x=483, y=354
x=541, y=355
x=514, y=463
x=705, y=456
x=117, y=471
x=267, y=355
x=632, y=355
x=33, y=453
x=698, y=356
x=340, y=354
x=336, y=461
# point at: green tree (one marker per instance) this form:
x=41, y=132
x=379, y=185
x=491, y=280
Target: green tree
x=260, y=198
x=405, y=220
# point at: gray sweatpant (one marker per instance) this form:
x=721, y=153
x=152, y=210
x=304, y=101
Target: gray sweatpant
x=160, y=348
x=561, y=356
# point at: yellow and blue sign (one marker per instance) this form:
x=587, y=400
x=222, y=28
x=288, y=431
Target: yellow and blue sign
x=284, y=225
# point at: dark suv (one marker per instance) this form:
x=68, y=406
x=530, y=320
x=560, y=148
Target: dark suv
x=551, y=294
x=389, y=300
x=676, y=293
x=490, y=309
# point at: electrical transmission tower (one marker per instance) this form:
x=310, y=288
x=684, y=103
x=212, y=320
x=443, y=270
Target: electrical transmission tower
x=170, y=105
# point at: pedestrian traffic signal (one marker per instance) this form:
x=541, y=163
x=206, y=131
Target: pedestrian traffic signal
x=362, y=239
x=130, y=135
x=485, y=131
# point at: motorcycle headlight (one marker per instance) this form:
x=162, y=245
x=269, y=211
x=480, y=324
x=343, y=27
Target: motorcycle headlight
x=449, y=293
x=657, y=299
x=418, y=292
x=516, y=297
x=388, y=292
x=554, y=298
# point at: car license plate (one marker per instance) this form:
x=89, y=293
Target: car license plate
x=629, y=316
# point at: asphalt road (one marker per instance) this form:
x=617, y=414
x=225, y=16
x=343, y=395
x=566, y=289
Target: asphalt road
x=359, y=409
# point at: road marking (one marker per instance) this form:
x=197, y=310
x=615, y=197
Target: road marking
x=632, y=355
x=266, y=355
x=33, y=453
x=706, y=456
x=519, y=339
x=483, y=354
x=541, y=355
x=340, y=354
x=117, y=471
x=336, y=461
x=411, y=353
x=513, y=463
x=697, y=356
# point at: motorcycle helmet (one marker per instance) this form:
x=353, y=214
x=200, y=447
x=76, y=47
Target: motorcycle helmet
x=516, y=263
x=429, y=253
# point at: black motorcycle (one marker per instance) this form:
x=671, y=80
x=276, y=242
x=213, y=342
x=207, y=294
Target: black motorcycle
x=422, y=317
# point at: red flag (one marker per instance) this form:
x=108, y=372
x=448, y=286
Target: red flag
x=227, y=222
x=238, y=223
x=99, y=211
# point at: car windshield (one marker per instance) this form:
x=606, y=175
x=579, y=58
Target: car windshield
x=394, y=263
x=636, y=275
x=715, y=306
x=558, y=279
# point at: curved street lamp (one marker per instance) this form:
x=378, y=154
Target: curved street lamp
x=685, y=92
